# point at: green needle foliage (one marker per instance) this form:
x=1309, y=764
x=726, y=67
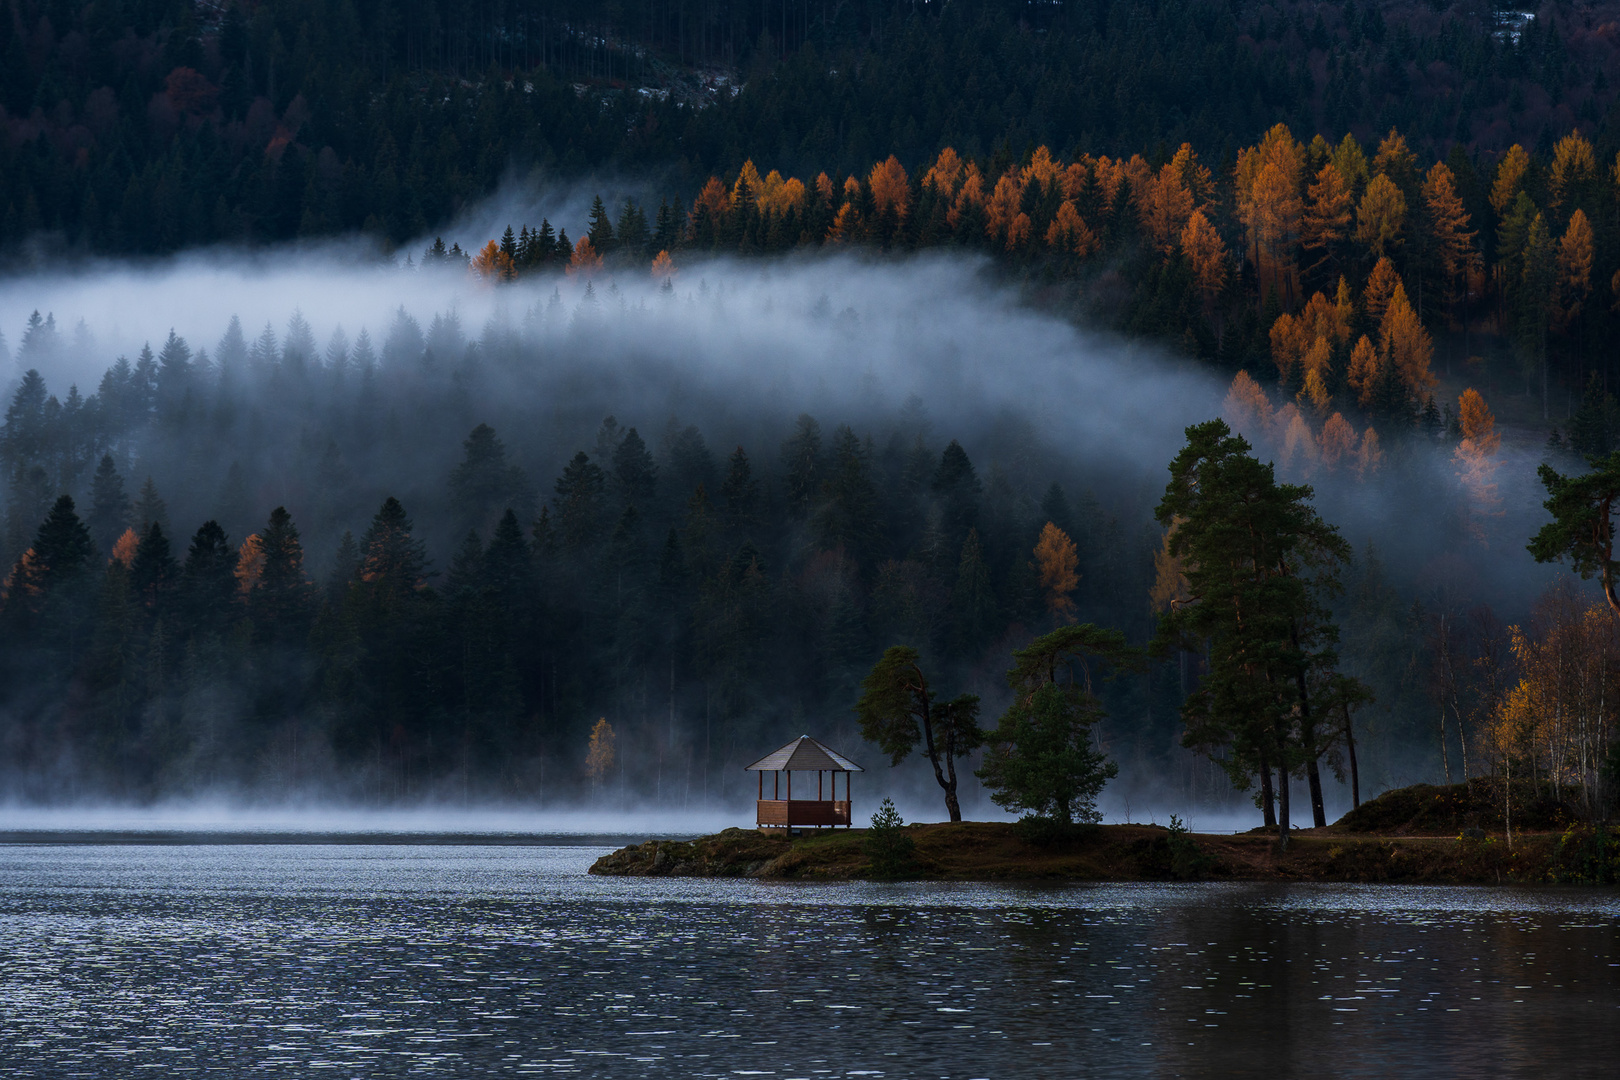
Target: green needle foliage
x=1581, y=529
x=888, y=846
x=1258, y=561
x=1042, y=758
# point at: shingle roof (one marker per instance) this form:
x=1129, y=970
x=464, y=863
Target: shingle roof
x=804, y=754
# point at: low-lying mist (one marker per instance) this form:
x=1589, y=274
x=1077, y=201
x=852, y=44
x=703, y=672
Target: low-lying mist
x=325, y=381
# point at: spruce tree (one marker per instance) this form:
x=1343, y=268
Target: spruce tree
x=109, y=507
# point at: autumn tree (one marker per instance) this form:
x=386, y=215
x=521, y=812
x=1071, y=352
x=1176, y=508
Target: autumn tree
x=601, y=752
x=1326, y=224
x=1057, y=561
x=898, y=710
x=1202, y=246
x=1381, y=217
x=1475, y=459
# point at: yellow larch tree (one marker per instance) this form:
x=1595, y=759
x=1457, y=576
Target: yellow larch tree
x=1406, y=345
x=1165, y=208
x=1509, y=179
x=1069, y=233
x=1338, y=442
x=1364, y=371
x=1381, y=285
x=1057, y=562
x=891, y=189
x=1003, y=208
x=1573, y=167
x=1574, y=268
x=969, y=196
x=585, y=262
x=1326, y=222
x=943, y=175
x=1448, y=220
x=1246, y=407
x=1381, y=217
x=249, y=563
x=1396, y=161
x=124, y=548
x=1202, y=246
x=601, y=752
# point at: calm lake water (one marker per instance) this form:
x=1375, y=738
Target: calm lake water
x=357, y=960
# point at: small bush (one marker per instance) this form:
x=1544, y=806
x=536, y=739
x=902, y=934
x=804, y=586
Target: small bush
x=1587, y=855
x=1187, y=859
x=888, y=846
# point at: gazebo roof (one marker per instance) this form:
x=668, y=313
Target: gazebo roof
x=804, y=754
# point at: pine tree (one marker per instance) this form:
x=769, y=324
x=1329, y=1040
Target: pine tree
x=109, y=507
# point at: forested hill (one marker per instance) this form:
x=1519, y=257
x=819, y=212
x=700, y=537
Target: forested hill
x=151, y=125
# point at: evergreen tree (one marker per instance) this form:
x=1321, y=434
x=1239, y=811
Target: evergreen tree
x=109, y=507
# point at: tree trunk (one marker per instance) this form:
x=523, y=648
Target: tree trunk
x=1318, y=810
x=1282, y=808
x=1350, y=747
x=1267, y=805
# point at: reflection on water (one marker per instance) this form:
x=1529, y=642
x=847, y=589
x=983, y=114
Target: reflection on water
x=472, y=961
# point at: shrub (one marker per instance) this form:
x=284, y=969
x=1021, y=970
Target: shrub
x=888, y=846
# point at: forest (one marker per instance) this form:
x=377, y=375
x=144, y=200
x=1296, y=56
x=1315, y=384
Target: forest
x=805, y=387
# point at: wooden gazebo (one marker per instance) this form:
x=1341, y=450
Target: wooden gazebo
x=804, y=754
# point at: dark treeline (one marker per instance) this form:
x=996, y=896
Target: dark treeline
x=154, y=125
x=213, y=583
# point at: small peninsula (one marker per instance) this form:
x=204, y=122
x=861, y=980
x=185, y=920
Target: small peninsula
x=1419, y=835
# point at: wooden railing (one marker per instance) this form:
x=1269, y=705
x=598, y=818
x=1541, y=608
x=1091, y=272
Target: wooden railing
x=784, y=814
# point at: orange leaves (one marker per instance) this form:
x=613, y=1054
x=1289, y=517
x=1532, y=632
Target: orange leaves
x=1573, y=166
x=943, y=176
x=124, y=549
x=1406, y=345
x=1327, y=213
x=1574, y=267
x=1164, y=207
x=1042, y=171
x=1381, y=285
x=891, y=189
x=1477, y=422
x=1247, y=408
x=1057, y=561
x=1313, y=333
x=1338, y=443
x=1509, y=181
x=1366, y=367
x=751, y=175
x=1003, y=207
x=1476, y=462
x=1448, y=221
x=249, y=563
x=1381, y=217
x=1204, y=250
x=585, y=261
x=602, y=751
x=492, y=264
x=969, y=197
x=1069, y=232
x=712, y=202
x=663, y=267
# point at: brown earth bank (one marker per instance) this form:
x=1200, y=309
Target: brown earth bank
x=1006, y=851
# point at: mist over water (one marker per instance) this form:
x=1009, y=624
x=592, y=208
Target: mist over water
x=908, y=352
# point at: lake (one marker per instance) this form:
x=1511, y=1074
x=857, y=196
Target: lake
x=471, y=959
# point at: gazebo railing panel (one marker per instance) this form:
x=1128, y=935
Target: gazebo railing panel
x=782, y=813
